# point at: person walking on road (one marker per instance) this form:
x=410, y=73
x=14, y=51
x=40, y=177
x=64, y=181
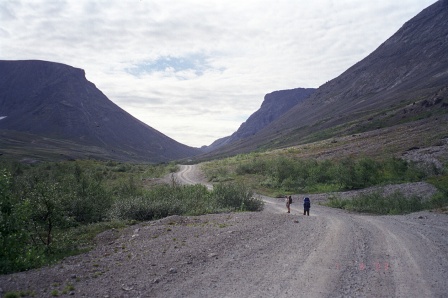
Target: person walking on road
x=288, y=203
x=306, y=206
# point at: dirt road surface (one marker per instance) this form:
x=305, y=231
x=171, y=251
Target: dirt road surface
x=190, y=174
x=330, y=253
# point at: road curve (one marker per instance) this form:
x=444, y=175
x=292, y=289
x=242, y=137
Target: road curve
x=333, y=253
x=190, y=174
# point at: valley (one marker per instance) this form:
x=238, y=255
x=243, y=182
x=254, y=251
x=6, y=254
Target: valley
x=121, y=210
x=331, y=253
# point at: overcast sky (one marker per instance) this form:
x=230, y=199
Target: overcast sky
x=196, y=69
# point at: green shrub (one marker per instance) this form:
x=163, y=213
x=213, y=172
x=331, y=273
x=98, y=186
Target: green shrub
x=396, y=170
x=441, y=182
x=255, y=166
x=336, y=202
x=236, y=196
x=31, y=228
x=376, y=203
x=47, y=210
x=88, y=199
x=290, y=184
x=12, y=231
x=12, y=295
x=164, y=200
x=142, y=209
x=172, y=168
x=286, y=173
x=269, y=182
x=439, y=200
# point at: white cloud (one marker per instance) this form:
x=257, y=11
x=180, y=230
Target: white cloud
x=195, y=70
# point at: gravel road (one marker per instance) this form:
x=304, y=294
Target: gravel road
x=330, y=253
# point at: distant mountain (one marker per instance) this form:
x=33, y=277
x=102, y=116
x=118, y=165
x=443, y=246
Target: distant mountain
x=275, y=105
x=54, y=103
x=404, y=80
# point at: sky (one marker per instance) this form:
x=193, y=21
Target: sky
x=195, y=70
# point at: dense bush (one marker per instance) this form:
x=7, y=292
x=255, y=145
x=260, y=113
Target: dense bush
x=293, y=174
x=441, y=198
x=165, y=200
x=11, y=229
x=31, y=215
x=236, y=196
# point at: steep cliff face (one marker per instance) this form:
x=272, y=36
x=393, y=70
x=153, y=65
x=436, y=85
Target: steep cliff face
x=55, y=100
x=274, y=106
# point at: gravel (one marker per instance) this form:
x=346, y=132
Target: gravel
x=330, y=253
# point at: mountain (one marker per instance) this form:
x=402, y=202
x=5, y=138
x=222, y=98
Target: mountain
x=405, y=79
x=275, y=104
x=54, y=106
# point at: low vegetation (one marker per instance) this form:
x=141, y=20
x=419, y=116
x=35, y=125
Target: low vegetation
x=280, y=174
x=164, y=200
x=52, y=210
x=276, y=174
x=395, y=203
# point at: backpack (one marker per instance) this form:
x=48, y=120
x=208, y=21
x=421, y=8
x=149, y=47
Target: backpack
x=306, y=203
x=290, y=200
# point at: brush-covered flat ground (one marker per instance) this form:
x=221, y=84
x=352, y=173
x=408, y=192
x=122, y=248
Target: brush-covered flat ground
x=331, y=253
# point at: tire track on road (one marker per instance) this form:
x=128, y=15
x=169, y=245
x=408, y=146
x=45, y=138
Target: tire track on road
x=187, y=174
x=350, y=255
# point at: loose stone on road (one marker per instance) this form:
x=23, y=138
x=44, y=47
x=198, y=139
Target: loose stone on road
x=330, y=253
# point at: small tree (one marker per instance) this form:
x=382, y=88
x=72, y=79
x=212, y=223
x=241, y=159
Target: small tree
x=16, y=251
x=8, y=227
x=43, y=202
x=87, y=200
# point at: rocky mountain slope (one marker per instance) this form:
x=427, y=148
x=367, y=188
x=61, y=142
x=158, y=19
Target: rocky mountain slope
x=403, y=80
x=275, y=104
x=54, y=105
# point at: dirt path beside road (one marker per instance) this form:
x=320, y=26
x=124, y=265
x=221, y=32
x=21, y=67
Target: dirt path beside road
x=330, y=253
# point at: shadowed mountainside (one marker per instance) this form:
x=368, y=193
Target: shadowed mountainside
x=275, y=105
x=404, y=80
x=54, y=105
